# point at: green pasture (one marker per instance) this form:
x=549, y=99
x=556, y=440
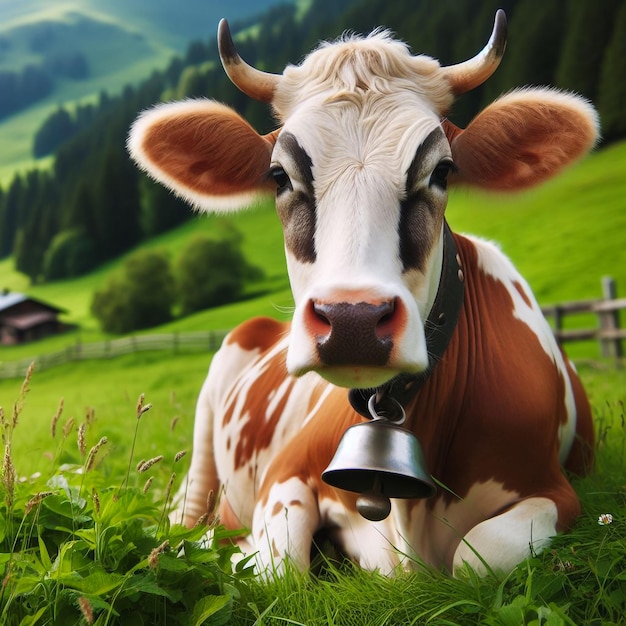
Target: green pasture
x=171, y=382
x=564, y=235
x=580, y=579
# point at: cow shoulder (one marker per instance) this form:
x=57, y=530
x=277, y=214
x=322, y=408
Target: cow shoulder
x=241, y=351
x=515, y=367
x=257, y=334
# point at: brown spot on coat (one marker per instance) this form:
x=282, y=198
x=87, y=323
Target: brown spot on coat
x=523, y=294
x=278, y=508
x=259, y=333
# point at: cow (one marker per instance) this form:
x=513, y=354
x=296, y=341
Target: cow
x=387, y=299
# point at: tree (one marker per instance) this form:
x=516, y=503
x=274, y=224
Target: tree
x=9, y=216
x=71, y=253
x=57, y=128
x=537, y=28
x=140, y=297
x=116, y=201
x=211, y=273
x=612, y=87
x=9, y=86
x=161, y=210
x=588, y=31
x=36, y=223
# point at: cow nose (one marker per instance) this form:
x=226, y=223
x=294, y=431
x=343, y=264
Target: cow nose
x=358, y=333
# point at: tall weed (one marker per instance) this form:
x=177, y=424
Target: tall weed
x=78, y=547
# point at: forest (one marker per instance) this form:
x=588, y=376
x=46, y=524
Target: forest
x=34, y=82
x=93, y=204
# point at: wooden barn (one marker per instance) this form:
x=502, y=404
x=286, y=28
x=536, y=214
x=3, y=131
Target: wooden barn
x=23, y=318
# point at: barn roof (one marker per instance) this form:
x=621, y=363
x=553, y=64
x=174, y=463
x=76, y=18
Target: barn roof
x=11, y=298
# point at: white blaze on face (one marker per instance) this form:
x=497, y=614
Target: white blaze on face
x=362, y=214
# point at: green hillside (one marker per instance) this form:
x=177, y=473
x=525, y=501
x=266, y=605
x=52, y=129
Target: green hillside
x=564, y=236
x=121, y=41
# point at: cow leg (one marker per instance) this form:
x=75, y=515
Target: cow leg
x=505, y=540
x=192, y=497
x=283, y=526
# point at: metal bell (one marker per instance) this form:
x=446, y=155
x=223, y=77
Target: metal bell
x=379, y=460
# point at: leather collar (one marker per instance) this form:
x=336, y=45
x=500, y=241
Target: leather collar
x=439, y=327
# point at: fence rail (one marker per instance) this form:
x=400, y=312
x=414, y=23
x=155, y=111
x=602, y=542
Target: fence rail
x=175, y=342
x=608, y=331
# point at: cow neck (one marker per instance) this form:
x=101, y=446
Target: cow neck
x=439, y=328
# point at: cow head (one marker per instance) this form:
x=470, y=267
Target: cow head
x=360, y=166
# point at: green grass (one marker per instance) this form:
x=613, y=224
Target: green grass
x=111, y=388
x=86, y=539
x=563, y=236
x=580, y=579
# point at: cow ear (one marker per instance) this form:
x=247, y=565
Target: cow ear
x=204, y=152
x=523, y=139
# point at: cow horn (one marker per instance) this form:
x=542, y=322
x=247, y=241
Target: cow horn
x=254, y=83
x=474, y=72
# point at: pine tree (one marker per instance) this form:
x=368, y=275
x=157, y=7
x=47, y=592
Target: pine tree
x=161, y=210
x=37, y=229
x=116, y=202
x=588, y=31
x=56, y=129
x=612, y=85
x=8, y=224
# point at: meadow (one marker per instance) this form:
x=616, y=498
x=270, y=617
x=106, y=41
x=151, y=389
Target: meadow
x=101, y=525
x=84, y=532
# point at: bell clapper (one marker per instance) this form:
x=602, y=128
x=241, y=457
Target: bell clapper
x=373, y=504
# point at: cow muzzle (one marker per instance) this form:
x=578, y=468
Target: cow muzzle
x=357, y=337
x=357, y=334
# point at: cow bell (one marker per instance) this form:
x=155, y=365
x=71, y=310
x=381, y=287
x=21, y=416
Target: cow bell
x=379, y=460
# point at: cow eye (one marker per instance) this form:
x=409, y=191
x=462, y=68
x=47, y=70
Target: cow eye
x=439, y=177
x=280, y=178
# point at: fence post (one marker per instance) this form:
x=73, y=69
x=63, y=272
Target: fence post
x=558, y=324
x=609, y=320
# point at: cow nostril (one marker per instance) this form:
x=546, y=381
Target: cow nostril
x=386, y=322
x=319, y=318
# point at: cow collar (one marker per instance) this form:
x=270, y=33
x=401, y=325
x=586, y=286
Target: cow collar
x=439, y=326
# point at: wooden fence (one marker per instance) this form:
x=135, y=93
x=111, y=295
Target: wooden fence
x=608, y=332
x=176, y=342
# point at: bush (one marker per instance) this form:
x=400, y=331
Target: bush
x=141, y=297
x=211, y=273
x=71, y=253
